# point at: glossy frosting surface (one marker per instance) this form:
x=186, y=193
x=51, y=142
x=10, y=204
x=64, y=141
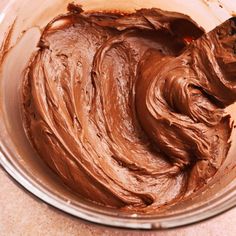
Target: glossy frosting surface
x=128, y=109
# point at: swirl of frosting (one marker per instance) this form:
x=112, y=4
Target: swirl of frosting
x=180, y=101
x=125, y=111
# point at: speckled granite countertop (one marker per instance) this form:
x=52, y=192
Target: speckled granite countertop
x=23, y=214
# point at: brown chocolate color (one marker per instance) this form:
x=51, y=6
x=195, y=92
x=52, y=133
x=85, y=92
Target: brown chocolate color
x=126, y=109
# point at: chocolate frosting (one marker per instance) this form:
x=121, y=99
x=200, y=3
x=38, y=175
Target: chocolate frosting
x=128, y=109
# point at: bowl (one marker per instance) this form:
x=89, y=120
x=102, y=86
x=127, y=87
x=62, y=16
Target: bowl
x=20, y=28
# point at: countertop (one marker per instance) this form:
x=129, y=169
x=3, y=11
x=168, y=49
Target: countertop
x=23, y=214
